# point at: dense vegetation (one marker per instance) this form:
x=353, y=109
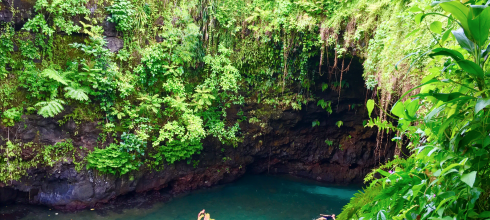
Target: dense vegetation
x=446, y=177
x=185, y=64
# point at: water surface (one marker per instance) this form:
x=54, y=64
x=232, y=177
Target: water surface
x=258, y=197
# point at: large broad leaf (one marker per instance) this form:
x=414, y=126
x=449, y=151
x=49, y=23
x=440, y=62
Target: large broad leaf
x=485, y=214
x=464, y=41
x=471, y=68
x=458, y=10
x=436, y=27
x=445, y=36
x=469, y=178
x=370, y=106
x=457, y=56
x=481, y=104
x=398, y=109
x=447, y=96
x=479, y=25
x=412, y=108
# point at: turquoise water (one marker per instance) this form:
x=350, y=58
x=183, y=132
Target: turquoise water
x=252, y=197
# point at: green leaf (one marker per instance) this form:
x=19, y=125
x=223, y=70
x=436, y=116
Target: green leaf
x=398, y=109
x=463, y=40
x=457, y=56
x=446, y=97
x=450, y=167
x=485, y=214
x=411, y=108
x=486, y=142
x=370, y=106
x=458, y=10
x=416, y=189
x=446, y=195
x=469, y=178
x=479, y=25
x=51, y=108
x=52, y=74
x=324, y=86
x=339, y=123
x=415, y=9
x=471, y=68
x=481, y=104
x=384, y=173
x=445, y=36
x=418, y=18
x=436, y=27
x=79, y=94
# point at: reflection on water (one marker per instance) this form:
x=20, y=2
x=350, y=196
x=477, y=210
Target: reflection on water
x=252, y=197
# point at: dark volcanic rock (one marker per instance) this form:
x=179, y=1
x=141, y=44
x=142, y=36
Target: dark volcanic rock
x=109, y=28
x=24, y=9
x=114, y=44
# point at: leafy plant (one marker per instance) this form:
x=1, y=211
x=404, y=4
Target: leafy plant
x=121, y=14
x=132, y=143
x=327, y=105
x=339, y=123
x=50, y=108
x=111, y=160
x=60, y=13
x=12, y=166
x=202, y=98
x=371, y=82
x=324, y=86
x=447, y=125
x=328, y=142
x=11, y=116
x=79, y=93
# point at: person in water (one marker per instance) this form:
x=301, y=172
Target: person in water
x=326, y=217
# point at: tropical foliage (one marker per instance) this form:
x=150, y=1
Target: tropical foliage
x=186, y=66
x=446, y=123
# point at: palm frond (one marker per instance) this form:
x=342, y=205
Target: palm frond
x=50, y=108
x=54, y=75
x=79, y=94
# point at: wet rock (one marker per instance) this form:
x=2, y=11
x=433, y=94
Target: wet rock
x=114, y=44
x=24, y=9
x=109, y=28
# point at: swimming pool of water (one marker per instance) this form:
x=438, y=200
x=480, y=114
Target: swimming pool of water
x=258, y=197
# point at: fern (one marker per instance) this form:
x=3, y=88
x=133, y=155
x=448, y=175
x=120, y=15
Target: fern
x=54, y=75
x=50, y=108
x=79, y=94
